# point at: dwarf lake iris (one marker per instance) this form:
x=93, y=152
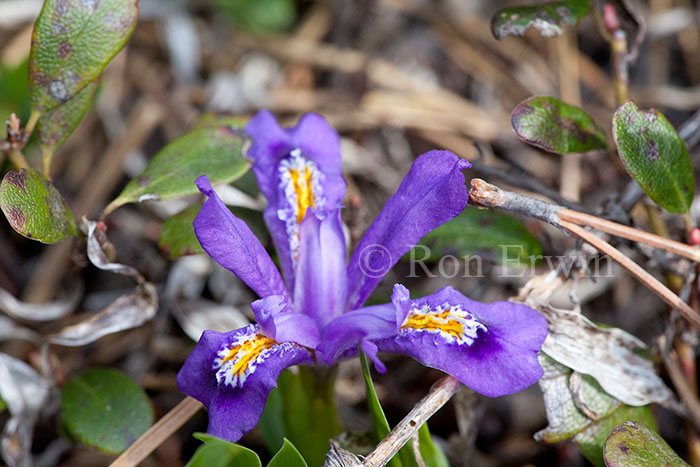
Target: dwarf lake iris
x=312, y=313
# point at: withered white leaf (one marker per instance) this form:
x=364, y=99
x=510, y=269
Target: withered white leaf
x=25, y=392
x=99, y=258
x=10, y=330
x=339, y=457
x=126, y=312
x=610, y=355
x=41, y=311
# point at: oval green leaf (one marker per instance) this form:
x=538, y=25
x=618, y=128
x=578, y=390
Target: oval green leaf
x=56, y=125
x=105, y=409
x=655, y=155
x=492, y=235
x=287, y=456
x=631, y=444
x=35, y=208
x=555, y=126
x=72, y=42
x=547, y=18
x=212, y=151
x=217, y=452
x=177, y=236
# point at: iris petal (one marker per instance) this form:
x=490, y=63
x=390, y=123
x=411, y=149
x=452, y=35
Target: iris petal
x=233, y=373
x=233, y=245
x=432, y=193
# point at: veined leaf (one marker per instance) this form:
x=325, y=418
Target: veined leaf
x=632, y=443
x=655, y=156
x=547, y=18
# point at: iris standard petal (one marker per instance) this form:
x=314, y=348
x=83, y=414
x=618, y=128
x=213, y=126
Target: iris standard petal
x=492, y=348
x=296, y=169
x=233, y=373
x=432, y=193
x=320, y=283
x=233, y=245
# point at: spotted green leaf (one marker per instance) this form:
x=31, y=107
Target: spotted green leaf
x=217, y=452
x=35, y=208
x=287, y=456
x=215, y=151
x=72, y=42
x=547, y=18
x=494, y=236
x=105, y=409
x=56, y=125
x=555, y=126
x=655, y=156
x=631, y=444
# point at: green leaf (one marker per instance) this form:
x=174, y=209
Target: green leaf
x=3, y=405
x=555, y=126
x=56, y=125
x=217, y=452
x=631, y=444
x=287, y=456
x=302, y=409
x=380, y=425
x=14, y=96
x=72, y=42
x=266, y=16
x=547, y=18
x=35, y=208
x=177, y=236
x=495, y=236
x=591, y=441
x=577, y=407
x=212, y=151
x=655, y=156
x=431, y=453
x=105, y=409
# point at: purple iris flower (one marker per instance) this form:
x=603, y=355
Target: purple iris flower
x=312, y=313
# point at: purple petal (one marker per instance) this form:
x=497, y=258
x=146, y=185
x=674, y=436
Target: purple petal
x=235, y=406
x=297, y=327
x=231, y=243
x=281, y=156
x=432, y=193
x=265, y=311
x=320, y=283
x=368, y=323
x=500, y=360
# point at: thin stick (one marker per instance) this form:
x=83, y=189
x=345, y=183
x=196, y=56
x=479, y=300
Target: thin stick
x=629, y=233
x=637, y=271
x=158, y=433
x=439, y=394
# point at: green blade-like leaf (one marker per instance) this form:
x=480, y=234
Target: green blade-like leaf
x=547, y=18
x=72, y=42
x=555, y=126
x=431, y=453
x=302, y=409
x=56, y=125
x=105, y=409
x=14, y=96
x=212, y=151
x=495, y=236
x=287, y=456
x=655, y=155
x=632, y=444
x=35, y=208
x=217, y=452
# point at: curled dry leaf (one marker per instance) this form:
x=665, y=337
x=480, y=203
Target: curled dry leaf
x=196, y=316
x=126, y=312
x=25, y=393
x=97, y=243
x=611, y=356
x=41, y=311
x=10, y=330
